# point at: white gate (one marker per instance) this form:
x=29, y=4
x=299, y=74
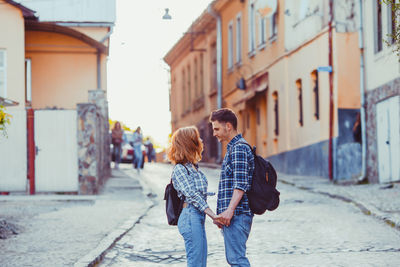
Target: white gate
x=13, y=154
x=56, y=163
x=388, y=131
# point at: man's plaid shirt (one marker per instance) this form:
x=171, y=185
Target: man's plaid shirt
x=236, y=173
x=193, y=185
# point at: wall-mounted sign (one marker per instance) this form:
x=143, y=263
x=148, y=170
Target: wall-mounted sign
x=325, y=69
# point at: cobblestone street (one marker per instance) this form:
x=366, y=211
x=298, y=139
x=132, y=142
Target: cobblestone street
x=308, y=229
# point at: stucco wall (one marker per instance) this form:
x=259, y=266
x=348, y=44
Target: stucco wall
x=12, y=41
x=63, y=70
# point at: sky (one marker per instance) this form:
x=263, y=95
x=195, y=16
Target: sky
x=137, y=76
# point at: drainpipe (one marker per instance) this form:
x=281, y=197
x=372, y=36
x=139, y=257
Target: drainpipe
x=330, y=93
x=98, y=69
x=31, y=148
x=219, y=65
x=362, y=96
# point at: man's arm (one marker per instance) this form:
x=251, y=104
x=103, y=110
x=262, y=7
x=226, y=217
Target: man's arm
x=226, y=216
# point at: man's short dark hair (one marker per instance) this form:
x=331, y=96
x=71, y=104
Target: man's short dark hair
x=224, y=115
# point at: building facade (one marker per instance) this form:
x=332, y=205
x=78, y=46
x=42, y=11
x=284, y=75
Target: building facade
x=193, y=92
x=54, y=55
x=382, y=93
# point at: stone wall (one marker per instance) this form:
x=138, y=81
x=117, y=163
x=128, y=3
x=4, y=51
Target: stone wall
x=387, y=90
x=93, y=143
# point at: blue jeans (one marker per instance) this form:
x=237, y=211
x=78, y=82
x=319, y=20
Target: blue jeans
x=117, y=150
x=235, y=238
x=191, y=227
x=138, y=156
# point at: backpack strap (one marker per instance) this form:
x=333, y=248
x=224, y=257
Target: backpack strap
x=252, y=149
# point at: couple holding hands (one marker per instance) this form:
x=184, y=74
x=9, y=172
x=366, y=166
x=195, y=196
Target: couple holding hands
x=234, y=216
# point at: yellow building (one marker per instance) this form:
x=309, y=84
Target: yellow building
x=275, y=76
x=53, y=72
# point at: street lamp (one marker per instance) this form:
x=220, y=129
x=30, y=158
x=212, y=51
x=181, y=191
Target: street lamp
x=166, y=15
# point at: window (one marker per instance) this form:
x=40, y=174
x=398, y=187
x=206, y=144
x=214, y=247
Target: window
x=391, y=14
x=196, y=80
x=230, y=45
x=238, y=39
x=184, y=91
x=201, y=74
x=276, y=112
x=28, y=81
x=189, y=88
x=252, y=13
x=378, y=26
x=3, y=73
x=300, y=99
x=213, y=65
x=273, y=26
x=314, y=78
x=262, y=31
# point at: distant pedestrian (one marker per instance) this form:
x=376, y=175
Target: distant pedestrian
x=190, y=182
x=137, y=149
x=116, y=139
x=236, y=174
x=149, y=149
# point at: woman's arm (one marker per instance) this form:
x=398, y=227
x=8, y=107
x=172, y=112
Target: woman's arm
x=183, y=182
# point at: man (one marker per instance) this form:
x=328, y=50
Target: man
x=235, y=216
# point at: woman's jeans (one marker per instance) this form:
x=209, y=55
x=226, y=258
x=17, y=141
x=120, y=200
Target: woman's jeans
x=191, y=227
x=235, y=238
x=138, y=156
x=117, y=150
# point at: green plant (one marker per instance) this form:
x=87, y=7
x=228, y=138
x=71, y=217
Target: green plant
x=394, y=37
x=5, y=119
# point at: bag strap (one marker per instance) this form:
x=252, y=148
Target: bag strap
x=253, y=150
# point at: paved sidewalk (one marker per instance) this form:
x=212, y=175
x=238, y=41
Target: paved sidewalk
x=70, y=230
x=379, y=200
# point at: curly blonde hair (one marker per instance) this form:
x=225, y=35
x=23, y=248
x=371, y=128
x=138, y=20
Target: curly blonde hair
x=186, y=146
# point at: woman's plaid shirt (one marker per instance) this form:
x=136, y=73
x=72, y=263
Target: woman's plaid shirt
x=236, y=173
x=193, y=186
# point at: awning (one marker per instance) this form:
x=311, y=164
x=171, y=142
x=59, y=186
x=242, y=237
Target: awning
x=257, y=86
x=266, y=8
x=7, y=102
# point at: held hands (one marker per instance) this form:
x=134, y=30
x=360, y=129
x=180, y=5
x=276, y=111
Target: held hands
x=223, y=219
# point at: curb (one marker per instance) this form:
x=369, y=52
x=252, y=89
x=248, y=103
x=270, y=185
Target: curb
x=97, y=254
x=370, y=211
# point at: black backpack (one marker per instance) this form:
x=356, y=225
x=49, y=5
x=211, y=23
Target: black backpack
x=263, y=194
x=173, y=204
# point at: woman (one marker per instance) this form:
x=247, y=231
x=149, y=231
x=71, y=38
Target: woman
x=137, y=148
x=117, y=134
x=191, y=183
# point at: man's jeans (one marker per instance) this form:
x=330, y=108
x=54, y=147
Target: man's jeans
x=235, y=238
x=191, y=227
